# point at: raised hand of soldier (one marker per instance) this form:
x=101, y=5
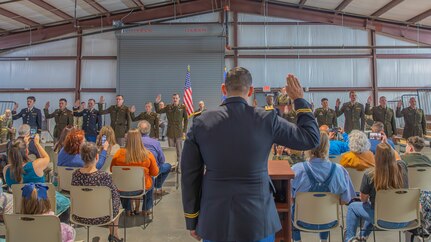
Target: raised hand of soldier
x=132, y=109
x=159, y=98
x=101, y=99
x=293, y=87
x=15, y=106
x=400, y=103
x=47, y=105
x=338, y=102
x=77, y=103
x=370, y=99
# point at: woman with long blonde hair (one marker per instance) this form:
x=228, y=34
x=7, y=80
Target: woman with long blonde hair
x=109, y=134
x=388, y=173
x=135, y=154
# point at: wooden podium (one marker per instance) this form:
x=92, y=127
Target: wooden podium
x=280, y=170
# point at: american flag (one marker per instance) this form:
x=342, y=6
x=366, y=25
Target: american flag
x=188, y=99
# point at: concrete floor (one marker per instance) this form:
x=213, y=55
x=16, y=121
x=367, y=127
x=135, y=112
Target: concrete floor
x=169, y=226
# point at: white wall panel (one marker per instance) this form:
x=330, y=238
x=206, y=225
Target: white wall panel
x=404, y=72
x=104, y=44
x=312, y=72
x=33, y=74
x=99, y=74
x=209, y=17
x=302, y=35
x=382, y=40
x=57, y=48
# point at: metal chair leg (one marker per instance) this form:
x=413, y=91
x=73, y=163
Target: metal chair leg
x=374, y=235
x=88, y=233
x=124, y=224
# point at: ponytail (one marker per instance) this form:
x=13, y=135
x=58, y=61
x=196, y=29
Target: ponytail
x=17, y=156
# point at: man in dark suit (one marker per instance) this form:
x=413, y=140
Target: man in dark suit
x=226, y=188
x=30, y=115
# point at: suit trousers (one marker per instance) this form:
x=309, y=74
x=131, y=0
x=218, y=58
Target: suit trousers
x=178, y=144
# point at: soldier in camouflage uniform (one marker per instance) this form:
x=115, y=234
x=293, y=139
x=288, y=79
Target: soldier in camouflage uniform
x=414, y=119
x=7, y=132
x=176, y=114
x=382, y=113
x=63, y=117
x=120, y=118
x=326, y=115
x=353, y=113
x=150, y=116
x=289, y=113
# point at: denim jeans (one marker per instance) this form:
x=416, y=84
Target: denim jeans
x=148, y=200
x=164, y=170
x=364, y=211
x=296, y=233
x=270, y=238
x=91, y=138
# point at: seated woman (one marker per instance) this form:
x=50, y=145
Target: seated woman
x=135, y=154
x=318, y=174
x=22, y=170
x=109, y=133
x=89, y=175
x=69, y=156
x=60, y=142
x=387, y=174
x=35, y=201
x=360, y=157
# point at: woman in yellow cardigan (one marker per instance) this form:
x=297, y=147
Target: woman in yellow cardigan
x=359, y=157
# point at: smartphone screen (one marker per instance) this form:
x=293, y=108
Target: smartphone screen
x=103, y=139
x=376, y=136
x=33, y=133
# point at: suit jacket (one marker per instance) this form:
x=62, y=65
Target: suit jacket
x=232, y=200
x=31, y=117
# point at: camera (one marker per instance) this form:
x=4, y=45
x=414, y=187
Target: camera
x=376, y=136
x=33, y=133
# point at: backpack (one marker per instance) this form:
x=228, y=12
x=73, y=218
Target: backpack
x=317, y=186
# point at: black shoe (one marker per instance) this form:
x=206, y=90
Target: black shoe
x=112, y=238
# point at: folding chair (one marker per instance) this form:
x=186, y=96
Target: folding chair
x=356, y=177
x=17, y=197
x=93, y=202
x=317, y=208
x=171, y=157
x=34, y=228
x=419, y=177
x=130, y=179
x=65, y=178
x=405, y=209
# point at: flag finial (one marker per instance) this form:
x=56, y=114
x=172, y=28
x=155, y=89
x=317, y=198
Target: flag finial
x=188, y=67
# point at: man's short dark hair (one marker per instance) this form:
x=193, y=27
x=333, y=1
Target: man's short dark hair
x=120, y=96
x=417, y=142
x=91, y=99
x=63, y=99
x=32, y=98
x=238, y=79
x=175, y=94
x=323, y=99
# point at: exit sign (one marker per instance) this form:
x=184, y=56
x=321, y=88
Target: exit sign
x=266, y=88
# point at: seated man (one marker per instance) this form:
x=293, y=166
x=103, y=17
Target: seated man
x=336, y=147
x=156, y=149
x=413, y=156
x=378, y=127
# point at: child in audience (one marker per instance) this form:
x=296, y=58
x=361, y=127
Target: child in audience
x=35, y=201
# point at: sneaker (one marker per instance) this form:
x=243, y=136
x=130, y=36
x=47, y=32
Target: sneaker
x=112, y=238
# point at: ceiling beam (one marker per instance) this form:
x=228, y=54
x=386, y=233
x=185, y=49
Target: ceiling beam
x=139, y=3
x=420, y=17
x=21, y=39
x=52, y=9
x=287, y=11
x=98, y=7
x=302, y=3
x=343, y=5
x=386, y=8
x=17, y=17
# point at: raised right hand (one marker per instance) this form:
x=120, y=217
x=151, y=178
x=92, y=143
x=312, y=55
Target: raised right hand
x=338, y=102
x=106, y=145
x=370, y=99
x=15, y=106
x=132, y=109
x=36, y=138
x=77, y=103
x=159, y=98
x=400, y=103
x=101, y=99
x=47, y=105
x=293, y=87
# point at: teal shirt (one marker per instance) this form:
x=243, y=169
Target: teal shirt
x=28, y=176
